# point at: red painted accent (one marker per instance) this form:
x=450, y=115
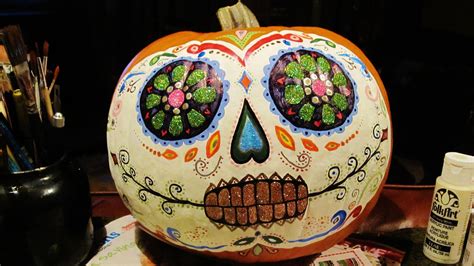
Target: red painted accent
x=339, y=115
x=188, y=131
x=207, y=112
x=164, y=132
x=313, y=54
x=269, y=39
x=291, y=112
x=149, y=89
x=192, y=67
x=220, y=47
x=195, y=49
x=147, y=115
x=317, y=123
x=168, y=69
x=281, y=80
x=294, y=56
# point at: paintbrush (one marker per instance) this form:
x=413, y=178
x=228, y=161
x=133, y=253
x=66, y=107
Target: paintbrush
x=45, y=58
x=16, y=50
x=35, y=76
x=55, y=76
x=10, y=140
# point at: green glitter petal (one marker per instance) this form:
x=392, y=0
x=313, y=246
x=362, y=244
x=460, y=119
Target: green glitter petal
x=195, y=118
x=339, y=80
x=161, y=82
x=176, y=125
x=294, y=70
x=294, y=94
x=308, y=63
x=152, y=100
x=306, y=112
x=158, y=119
x=339, y=101
x=178, y=73
x=196, y=76
x=205, y=95
x=323, y=64
x=328, y=115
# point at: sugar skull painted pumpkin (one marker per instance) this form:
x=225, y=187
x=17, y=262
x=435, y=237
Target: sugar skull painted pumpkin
x=252, y=145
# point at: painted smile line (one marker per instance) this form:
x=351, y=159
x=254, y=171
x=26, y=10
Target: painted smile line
x=254, y=201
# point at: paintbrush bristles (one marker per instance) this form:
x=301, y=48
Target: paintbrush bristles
x=45, y=48
x=45, y=57
x=15, y=45
x=34, y=63
x=55, y=76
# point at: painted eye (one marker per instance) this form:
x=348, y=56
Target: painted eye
x=272, y=239
x=244, y=241
x=181, y=99
x=311, y=90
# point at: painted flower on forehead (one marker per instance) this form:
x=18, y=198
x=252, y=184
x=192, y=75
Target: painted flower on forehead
x=181, y=99
x=311, y=91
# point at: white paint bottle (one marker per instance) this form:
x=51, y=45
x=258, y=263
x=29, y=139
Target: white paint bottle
x=468, y=259
x=450, y=209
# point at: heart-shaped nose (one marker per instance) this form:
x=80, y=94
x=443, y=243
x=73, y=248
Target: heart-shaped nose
x=249, y=140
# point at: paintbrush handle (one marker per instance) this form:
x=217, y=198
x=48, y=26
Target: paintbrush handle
x=47, y=104
x=22, y=73
x=19, y=154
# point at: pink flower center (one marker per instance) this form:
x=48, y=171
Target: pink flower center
x=176, y=98
x=319, y=88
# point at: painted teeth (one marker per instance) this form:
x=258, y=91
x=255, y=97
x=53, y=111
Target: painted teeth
x=257, y=200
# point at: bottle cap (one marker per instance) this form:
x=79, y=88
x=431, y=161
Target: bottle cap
x=458, y=168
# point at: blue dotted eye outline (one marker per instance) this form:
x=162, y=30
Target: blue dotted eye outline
x=273, y=108
x=212, y=126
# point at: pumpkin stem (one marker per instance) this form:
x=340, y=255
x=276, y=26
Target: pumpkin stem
x=236, y=16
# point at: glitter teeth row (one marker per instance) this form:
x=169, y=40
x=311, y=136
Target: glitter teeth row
x=256, y=201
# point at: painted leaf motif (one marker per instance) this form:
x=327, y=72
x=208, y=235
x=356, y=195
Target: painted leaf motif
x=158, y=119
x=309, y=145
x=294, y=94
x=155, y=59
x=294, y=70
x=285, y=139
x=339, y=79
x=332, y=146
x=340, y=101
x=306, y=112
x=169, y=154
x=176, y=125
x=205, y=95
x=152, y=100
x=328, y=115
x=213, y=144
x=195, y=76
x=323, y=64
x=195, y=118
x=161, y=82
x=178, y=73
x=190, y=154
x=308, y=63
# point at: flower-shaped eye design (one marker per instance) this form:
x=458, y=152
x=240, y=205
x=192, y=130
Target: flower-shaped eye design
x=311, y=91
x=181, y=99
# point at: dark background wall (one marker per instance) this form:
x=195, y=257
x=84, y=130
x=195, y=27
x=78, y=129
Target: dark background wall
x=423, y=51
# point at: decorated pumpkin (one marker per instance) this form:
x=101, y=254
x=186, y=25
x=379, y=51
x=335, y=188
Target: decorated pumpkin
x=253, y=145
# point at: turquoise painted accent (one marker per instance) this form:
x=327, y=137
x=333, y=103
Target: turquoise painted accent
x=250, y=139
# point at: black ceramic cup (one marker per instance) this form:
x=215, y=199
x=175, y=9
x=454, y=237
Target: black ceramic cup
x=45, y=216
